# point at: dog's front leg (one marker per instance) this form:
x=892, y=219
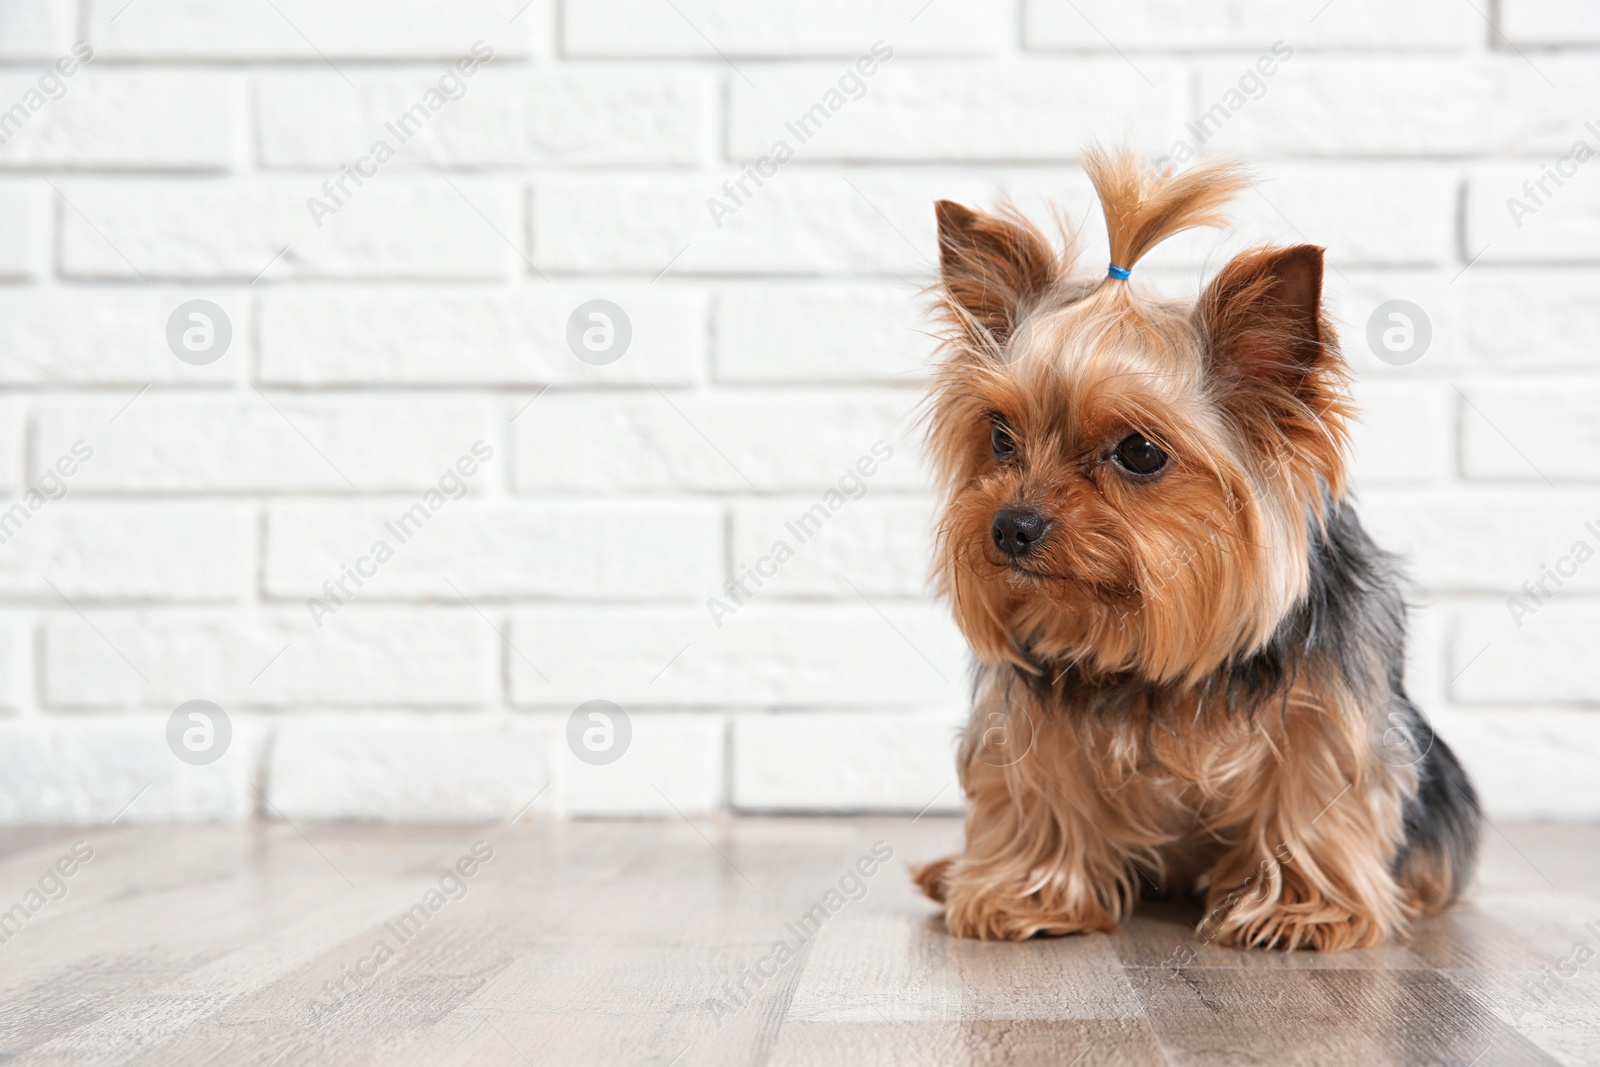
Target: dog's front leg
x=1034, y=863
x=1314, y=864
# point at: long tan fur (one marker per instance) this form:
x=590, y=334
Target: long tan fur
x=1144, y=207
x=1109, y=753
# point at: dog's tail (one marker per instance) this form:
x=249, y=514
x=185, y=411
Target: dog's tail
x=1442, y=824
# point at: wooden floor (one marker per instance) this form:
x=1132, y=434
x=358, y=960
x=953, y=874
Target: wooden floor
x=657, y=943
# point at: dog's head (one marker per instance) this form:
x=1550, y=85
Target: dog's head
x=1128, y=481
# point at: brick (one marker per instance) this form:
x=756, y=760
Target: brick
x=105, y=336
x=1554, y=23
x=496, y=550
x=25, y=207
x=399, y=768
x=1521, y=320
x=91, y=769
x=115, y=551
x=1507, y=427
x=317, y=119
x=1252, y=24
x=781, y=333
x=1422, y=106
x=129, y=120
x=516, y=337
x=394, y=226
x=41, y=29
x=16, y=663
x=883, y=547
x=1486, y=539
x=846, y=761
x=1488, y=318
x=1362, y=213
x=1428, y=637
x=910, y=110
x=1528, y=764
x=495, y=118
x=1405, y=435
x=688, y=441
x=673, y=767
x=765, y=654
x=359, y=658
x=1506, y=223
x=798, y=222
x=1352, y=297
x=613, y=114
x=1503, y=655
x=175, y=443
x=305, y=30
x=706, y=28
x=12, y=448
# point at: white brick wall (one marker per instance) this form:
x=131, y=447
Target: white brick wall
x=222, y=540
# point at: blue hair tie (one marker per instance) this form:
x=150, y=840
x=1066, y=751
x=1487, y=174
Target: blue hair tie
x=1119, y=273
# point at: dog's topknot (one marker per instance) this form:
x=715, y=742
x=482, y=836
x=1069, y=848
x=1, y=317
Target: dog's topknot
x=1143, y=206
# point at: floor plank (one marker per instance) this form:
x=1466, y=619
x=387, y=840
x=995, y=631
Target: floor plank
x=741, y=942
x=1243, y=1016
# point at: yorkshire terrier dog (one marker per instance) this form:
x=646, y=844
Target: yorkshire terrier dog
x=1189, y=652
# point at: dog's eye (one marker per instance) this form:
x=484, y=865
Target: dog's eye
x=1140, y=455
x=1000, y=441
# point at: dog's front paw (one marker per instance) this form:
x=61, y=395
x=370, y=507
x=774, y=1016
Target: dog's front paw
x=1323, y=928
x=1001, y=913
x=930, y=877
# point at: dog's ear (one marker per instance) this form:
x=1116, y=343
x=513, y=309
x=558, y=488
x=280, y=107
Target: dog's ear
x=1262, y=316
x=994, y=267
x=1276, y=362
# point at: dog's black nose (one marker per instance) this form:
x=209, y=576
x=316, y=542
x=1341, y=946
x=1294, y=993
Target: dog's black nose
x=1016, y=530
